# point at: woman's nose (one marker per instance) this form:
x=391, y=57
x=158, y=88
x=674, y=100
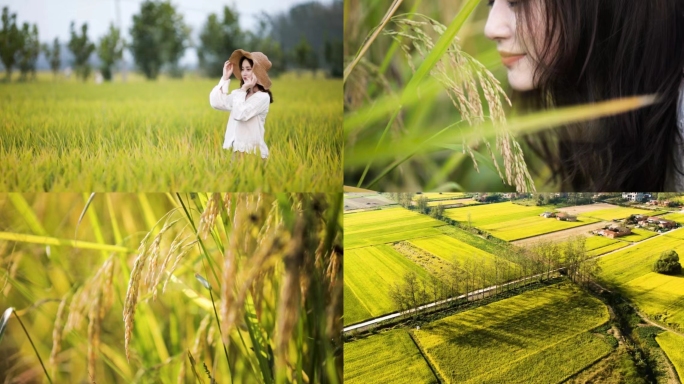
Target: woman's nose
x=501, y=22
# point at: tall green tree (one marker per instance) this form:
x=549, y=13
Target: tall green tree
x=219, y=37
x=333, y=53
x=30, y=49
x=302, y=53
x=159, y=37
x=110, y=50
x=10, y=41
x=53, y=55
x=81, y=47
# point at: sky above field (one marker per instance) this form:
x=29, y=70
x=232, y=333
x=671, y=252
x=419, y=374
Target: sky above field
x=53, y=17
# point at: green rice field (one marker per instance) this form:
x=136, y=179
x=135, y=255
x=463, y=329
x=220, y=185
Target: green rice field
x=638, y=235
x=599, y=245
x=435, y=203
x=522, y=228
x=440, y=195
x=678, y=217
x=487, y=214
x=619, y=213
x=390, y=357
x=164, y=136
x=369, y=272
x=385, y=226
x=673, y=345
x=541, y=336
x=453, y=250
x=661, y=297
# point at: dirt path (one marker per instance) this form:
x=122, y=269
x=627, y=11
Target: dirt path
x=562, y=235
x=580, y=209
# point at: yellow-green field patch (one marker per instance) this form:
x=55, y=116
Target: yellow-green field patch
x=385, y=226
x=464, y=202
x=673, y=345
x=369, y=273
x=540, y=336
x=389, y=357
x=486, y=214
x=619, y=213
x=532, y=226
x=630, y=270
x=453, y=250
x=638, y=235
x=678, y=217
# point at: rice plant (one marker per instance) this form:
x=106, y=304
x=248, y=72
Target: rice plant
x=164, y=136
x=228, y=288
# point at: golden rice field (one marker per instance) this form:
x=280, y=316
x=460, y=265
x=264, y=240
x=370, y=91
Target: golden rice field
x=661, y=297
x=485, y=214
x=385, y=226
x=434, y=203
x=540, y=336
x=638, y=235
x=164, y=136
x=678, y=217
x=390, y=357
x=619, y=213
x=532, y=226
x=369, y=273
x=151, y=288
x=673, y=345
x=598, y=245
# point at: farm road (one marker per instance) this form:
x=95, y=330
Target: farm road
x=562, y=235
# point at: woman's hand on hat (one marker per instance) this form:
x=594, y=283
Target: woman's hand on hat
x=250, y=83
x=227, y=70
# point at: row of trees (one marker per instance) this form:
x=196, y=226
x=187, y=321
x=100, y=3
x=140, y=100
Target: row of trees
x=514, y=267
x=160, y=37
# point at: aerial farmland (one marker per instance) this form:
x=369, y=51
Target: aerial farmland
x=494, y=292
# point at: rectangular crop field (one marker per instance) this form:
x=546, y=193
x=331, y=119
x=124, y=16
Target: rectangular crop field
x=673, y=345
x=453, y=250
x=598, y=245
x=434, y=203
x=389, y=357
x=638, y=235
x=369, y=272
x=678, y=217
x=440, y=195
x=630, y=271
x=676, y=234
x=619, y=213
x=385, y=226
x=540, y=336
x=532, y=226
x=486, y=214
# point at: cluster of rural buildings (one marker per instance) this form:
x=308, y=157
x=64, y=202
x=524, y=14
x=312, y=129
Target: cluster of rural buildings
x=653, y=223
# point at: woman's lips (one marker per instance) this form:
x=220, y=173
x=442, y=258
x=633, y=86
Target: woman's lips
x=510, y=59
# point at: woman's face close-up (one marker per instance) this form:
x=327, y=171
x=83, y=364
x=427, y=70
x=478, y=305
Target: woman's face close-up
x=246, y=71
x=516, y=52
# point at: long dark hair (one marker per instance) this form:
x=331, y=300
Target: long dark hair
x=259, y=86
x=597, y=50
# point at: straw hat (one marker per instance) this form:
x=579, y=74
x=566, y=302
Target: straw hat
x=260, y=67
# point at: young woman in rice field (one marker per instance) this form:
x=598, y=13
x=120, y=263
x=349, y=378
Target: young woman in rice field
x=248, y=105
x=561, y=53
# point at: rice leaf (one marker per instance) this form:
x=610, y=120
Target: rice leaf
x=85, y=208
x=48, y=240
x=203, y=281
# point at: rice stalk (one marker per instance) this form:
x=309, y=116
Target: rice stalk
x=57, y=330
x=462, y=76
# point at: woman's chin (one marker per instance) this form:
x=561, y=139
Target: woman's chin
x=520, y=82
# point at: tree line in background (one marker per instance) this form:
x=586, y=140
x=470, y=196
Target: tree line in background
x=309, y=36
x=513, y=268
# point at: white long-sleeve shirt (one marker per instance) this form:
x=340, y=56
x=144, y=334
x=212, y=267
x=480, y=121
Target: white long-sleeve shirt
x=245, y=130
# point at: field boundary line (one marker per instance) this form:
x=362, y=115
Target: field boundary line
x=397, y=241
x=542, y=234
x=359, y=299
x=426, y=359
